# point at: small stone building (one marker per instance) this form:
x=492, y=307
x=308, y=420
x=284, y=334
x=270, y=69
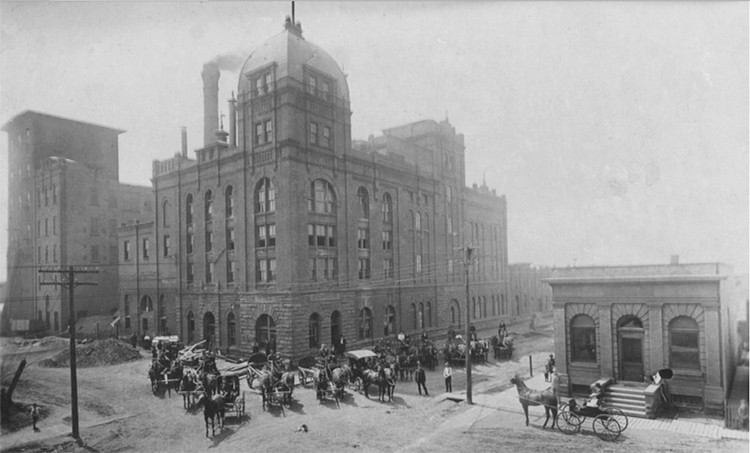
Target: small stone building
x=625, y=322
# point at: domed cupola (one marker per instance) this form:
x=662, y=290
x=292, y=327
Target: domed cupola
x=292, y=55
x=292, y=95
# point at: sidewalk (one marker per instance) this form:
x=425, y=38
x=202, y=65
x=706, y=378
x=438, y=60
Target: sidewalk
x=486, y=404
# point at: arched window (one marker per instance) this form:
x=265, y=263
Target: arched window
x=190, y=327
x=363, y=203
x=209, y=206
x=231, y=330
x=229, y=202
x=455, y=313
x=494, y=305
x=389, y=320
x=335, y=326
x=473, y=308
x=165, y=213
x=387, y=207
x=417, y=221
x=426, y=223
x=322, y=198
x=47, y=314
x=421, y=315
x=684, y=349
x=189, y=209
x=414, y=316
x=484, y=306
x=209, y=328
x=314, y=330
x=147, y=304
x=365, y=323
x=582, y=339
x=265, y=196
x=448, y=194
x=265, y=330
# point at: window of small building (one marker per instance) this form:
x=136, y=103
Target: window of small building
x=684, y=349
x=582, y=339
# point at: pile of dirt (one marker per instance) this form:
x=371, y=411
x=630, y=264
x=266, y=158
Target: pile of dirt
x=95, y=353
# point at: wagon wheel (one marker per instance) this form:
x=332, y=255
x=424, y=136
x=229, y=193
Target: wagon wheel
x=618, y=415
x=606, y=427
x=567, y=421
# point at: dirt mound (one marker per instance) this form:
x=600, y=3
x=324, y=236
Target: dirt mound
x=96, y=353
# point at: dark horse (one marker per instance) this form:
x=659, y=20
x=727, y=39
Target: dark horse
x=528, y=397
x=385, y=380
x=213, y=410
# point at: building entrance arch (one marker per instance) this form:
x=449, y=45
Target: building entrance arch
x=630, y=347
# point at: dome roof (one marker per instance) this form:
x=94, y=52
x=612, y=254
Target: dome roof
x=291, y=52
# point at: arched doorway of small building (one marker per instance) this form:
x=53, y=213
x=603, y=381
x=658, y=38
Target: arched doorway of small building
x=265, y=332
x=209, y=330
x=630, y=347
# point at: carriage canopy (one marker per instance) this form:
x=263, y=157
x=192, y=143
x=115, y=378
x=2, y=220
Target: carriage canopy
x=361, y=354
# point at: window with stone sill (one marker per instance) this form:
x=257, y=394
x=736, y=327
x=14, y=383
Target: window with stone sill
x=582, y=339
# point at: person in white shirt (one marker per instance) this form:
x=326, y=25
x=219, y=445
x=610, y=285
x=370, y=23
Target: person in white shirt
x=448, y=375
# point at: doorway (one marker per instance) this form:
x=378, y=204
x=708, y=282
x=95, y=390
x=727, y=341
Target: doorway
x=630, y=340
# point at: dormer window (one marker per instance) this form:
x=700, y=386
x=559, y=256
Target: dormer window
x=312, y=84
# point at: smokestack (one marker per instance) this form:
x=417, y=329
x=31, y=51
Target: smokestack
x=210, y=76
x=184, y=141
x=233, y=122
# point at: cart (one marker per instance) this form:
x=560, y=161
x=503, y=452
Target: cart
x=607, y=423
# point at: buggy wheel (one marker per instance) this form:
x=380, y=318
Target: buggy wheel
x=606, y=427
x=618, y=415
x=568, y=422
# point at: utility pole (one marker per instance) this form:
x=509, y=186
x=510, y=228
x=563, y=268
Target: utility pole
x=467, y=264
x=69, y=281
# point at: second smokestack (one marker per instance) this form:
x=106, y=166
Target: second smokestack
x=210, y=76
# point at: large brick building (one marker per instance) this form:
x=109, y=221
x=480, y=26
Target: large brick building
x=65, y=205
x=283, y=228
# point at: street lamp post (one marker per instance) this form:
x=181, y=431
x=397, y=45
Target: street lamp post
x=467, y=263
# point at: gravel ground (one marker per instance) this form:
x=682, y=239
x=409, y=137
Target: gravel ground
x=119, y=413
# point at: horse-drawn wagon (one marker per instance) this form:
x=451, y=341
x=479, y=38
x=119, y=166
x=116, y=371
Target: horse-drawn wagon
x=503, y=349
x=607, y=423
x=274, y=387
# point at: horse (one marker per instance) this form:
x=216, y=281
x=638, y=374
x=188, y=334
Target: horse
x=188, y=384
x=213, y=410
x=428, y=355
x=287, y=386
x=340, y=377
x=210, y=382
x=528, y=397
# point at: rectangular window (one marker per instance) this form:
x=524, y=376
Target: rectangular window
x=189, y=243
x=166, y=245
x=46, y=197
x=310, y=234
x=190, y=273
x=261, y=236
x=325, y=89
x=312, y=84
x=333, y=268
x=126, y=250
x=271, y=270
x=322, y=270
x=271, y=234
x=266, y=270
x=54, y=253
x=268, y=127
x=209, y=241
x=127, y=321
x=230, y=271
x=46, y=227
x=320, y=235
x=418, y=263
x=425, y=199
x=331, y=231
x=363, y=268
x=54, y=225
x=94, y=253
x=268, y=82
x=46, y=254
x=326, y=141
x=311, y=263
x=259, y=88
x=388, y=268
x=258, y=133
x=450, y=267
x=387, y=244
x=145, y=248
x=210, y=272
x=230, y=239
x=314, y=133
x=449, y=225
x=362, y=239
x=38, y=228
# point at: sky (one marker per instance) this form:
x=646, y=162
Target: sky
x=618, y=131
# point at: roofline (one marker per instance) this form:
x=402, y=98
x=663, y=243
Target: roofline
x=32, y=112
x=635, y=279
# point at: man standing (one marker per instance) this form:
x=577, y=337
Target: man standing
x=420, y=378
x=549, y=368
x=34, y=416
x=448, y=375
x=134, y=340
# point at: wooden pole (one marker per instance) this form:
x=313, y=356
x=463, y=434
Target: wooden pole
x=468, y=328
